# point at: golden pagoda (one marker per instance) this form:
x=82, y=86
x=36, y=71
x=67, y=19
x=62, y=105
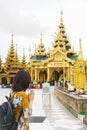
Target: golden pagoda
x=59, y=63
x=11, y=65
x=23, y=62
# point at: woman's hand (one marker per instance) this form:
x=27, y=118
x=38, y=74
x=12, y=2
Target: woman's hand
x=31, y=96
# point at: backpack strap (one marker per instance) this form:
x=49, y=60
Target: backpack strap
x=9, y=97
x=17, y=120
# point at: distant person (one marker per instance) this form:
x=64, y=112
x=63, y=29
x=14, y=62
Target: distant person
x=20, y=99
x=66, y=85
x=58, y=84
x=70, y=87
x=2, y=85
x=40, y=84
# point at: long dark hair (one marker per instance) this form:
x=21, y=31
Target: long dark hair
x=21, y=81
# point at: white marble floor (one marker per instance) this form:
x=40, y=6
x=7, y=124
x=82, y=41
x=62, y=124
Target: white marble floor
x=58, y=117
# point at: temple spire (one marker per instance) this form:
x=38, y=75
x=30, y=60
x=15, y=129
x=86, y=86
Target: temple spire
x=35, y=48
x=40, y=51
x=29, y=52
x=41, y=38
x=12, y=38
x=23, y=62
x=16, y=65
x=61, y=17
x=61, y=39
x=80, y=50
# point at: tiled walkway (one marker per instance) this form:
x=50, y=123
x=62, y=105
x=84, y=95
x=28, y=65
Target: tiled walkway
x=58, y=117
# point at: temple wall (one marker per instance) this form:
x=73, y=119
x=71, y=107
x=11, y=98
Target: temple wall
x=74, y=103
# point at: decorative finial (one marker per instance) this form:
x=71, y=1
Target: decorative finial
x=80, y=43
x=41, y=38
x=61, y=16
x=80, y=49
x=12, y=38
x=23, y=50
x=35, y=48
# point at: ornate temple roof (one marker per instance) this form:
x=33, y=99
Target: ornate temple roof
x=62, y=41
x=12, y=61
x=40, y=52
x=23, y=62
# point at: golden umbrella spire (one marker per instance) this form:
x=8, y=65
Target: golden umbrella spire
x=12, y=38
x=61, y=16
x=80, y=49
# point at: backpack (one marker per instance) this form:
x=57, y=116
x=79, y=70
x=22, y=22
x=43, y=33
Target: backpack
x=6, y=115
x=7, y=120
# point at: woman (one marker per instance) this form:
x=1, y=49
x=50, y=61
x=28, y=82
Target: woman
x=21, y=100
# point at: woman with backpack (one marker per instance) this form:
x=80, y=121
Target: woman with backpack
x=22, y=101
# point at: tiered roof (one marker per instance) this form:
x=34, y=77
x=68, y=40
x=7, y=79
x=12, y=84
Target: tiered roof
x=12, y=61
x=40, y=52
x=62, y=41
x=23, y=62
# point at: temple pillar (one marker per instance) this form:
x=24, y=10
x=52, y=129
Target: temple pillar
x=8, y=80
x=36, y=74
x=32, y=74
x=48, y=75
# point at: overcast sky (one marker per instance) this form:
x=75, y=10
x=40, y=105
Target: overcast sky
x=26, y=19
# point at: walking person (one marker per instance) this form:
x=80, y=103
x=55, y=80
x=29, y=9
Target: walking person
x=20, y=99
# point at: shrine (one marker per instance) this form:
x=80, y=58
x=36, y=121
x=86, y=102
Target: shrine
x=60, y=63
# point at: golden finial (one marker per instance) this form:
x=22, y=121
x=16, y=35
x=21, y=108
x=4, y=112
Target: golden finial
x=80, y=49
x=23, y=50
x=41, y=38
x=35, y=48
x=61, y=16
x=12, y=38
x=80, y=44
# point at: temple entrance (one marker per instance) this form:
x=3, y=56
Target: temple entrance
x=11, y=80
x=43, y=76
x=4, y=80
x=56, y=75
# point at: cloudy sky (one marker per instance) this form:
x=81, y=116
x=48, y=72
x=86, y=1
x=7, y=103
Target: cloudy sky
x=26, y=19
